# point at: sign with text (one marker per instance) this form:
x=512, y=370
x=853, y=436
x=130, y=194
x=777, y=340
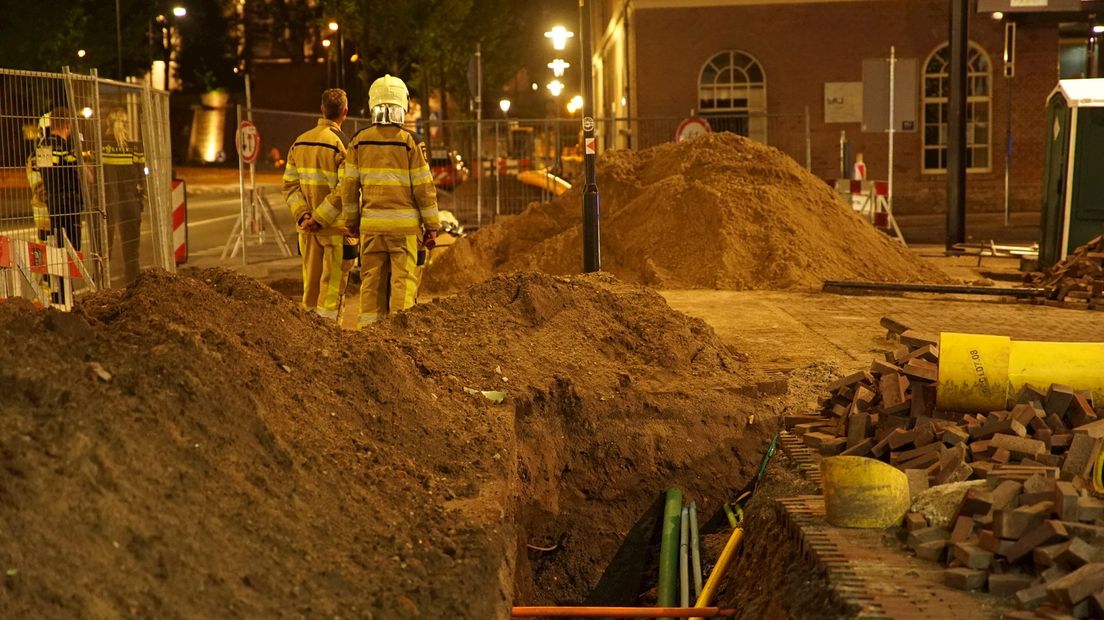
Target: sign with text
x=843, y=102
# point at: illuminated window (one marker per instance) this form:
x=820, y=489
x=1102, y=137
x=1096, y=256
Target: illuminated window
x=979, y=109
x=732, y=94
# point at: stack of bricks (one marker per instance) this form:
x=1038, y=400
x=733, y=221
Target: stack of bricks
x=1078, y=280
x=1034, y=529
x=1027, y=534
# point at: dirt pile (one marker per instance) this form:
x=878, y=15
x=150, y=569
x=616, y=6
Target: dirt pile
x=201, y=446
x=719, y=211
x=235, y=457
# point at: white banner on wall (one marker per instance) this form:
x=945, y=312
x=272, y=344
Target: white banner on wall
x=843, y=102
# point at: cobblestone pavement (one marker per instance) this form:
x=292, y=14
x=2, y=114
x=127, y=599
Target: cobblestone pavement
x=783, y=330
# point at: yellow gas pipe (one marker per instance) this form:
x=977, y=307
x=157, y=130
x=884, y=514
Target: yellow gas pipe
x=980, y=373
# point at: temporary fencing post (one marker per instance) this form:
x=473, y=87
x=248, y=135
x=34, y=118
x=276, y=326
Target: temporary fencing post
x=89, y=199
x=497, y=173
x=808, y=143
x=105, y=240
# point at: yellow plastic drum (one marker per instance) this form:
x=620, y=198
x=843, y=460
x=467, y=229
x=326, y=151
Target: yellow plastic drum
x=981, y=373
x=863, y=493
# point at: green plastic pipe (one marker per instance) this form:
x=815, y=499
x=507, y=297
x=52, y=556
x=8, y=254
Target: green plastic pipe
x=695, y=550
x=667, y=591
x=684, y=557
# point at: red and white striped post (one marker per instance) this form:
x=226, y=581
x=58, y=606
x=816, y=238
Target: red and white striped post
x=180, y=221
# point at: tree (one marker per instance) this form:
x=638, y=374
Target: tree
x=429, y=42
x=209, y=42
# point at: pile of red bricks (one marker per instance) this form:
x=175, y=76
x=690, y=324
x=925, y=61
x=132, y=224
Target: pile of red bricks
x=1077, y=281
x=1034, y=529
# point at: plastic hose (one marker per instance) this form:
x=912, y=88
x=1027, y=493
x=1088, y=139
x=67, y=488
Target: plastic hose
x=684, y=557
x=980, y=373
x=667, y=591
x=695, y=551
x=714, y=580
x=621, y=612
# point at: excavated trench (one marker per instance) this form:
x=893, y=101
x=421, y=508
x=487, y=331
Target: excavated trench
x=590, y=503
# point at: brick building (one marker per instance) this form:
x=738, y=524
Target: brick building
x=770, y=61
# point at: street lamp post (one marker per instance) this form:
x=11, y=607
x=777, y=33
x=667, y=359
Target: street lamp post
x=340, y=73
x=592, y=255
x=556, y=87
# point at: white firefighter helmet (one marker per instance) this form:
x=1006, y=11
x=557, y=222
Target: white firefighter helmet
x=388, y=98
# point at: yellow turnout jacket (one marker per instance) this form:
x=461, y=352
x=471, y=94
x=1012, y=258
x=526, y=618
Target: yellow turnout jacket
x=312, y=176
x=387, y=183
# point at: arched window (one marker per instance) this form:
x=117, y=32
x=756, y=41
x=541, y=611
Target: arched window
x=979, y=113
x=732, y=94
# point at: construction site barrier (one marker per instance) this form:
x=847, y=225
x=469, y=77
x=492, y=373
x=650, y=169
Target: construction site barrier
x=980, y=373
x=91, y=200
x=522, y=160
x=180, y=221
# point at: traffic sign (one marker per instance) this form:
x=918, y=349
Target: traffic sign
x=248, y=141
x=692, y=128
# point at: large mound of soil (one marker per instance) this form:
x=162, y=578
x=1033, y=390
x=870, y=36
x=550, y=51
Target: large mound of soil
x=243, y=459
x=201, y=447
x=719, y=211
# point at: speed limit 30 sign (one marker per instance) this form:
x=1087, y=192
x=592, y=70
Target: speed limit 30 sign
x=248, y=142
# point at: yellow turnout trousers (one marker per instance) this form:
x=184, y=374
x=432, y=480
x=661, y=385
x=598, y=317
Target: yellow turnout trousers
x=322, y=273
x=388, y=275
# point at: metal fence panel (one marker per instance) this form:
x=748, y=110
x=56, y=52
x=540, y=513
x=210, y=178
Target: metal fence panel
x=509, y=176
x=119, y=167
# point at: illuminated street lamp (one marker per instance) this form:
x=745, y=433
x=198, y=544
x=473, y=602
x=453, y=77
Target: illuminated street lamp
x=559, y=36
x=575, y=104
x=81, y=53
x=504, y=105
x=86, y=112
x=325, y=42
x=179, y=11
x=555, y=87
x=332, y=26
x=558, y=66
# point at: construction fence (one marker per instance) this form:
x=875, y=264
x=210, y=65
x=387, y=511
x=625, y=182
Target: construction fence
x=523, y=160
x=85, y=184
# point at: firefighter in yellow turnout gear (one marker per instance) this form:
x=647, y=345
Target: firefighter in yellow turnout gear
x=388, y=181
x=312, y=192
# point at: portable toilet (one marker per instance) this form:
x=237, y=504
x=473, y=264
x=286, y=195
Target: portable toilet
x=1073, y=181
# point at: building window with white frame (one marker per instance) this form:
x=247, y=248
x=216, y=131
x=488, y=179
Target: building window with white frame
x=979, y=109
x=732, y=94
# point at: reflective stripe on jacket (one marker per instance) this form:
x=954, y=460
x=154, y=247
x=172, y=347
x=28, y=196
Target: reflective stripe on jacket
x=387, y=180
x=312, y=175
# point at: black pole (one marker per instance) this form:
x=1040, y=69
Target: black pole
x=592, y=254
x=341, y=58
x=118, y=41
x=956, y=131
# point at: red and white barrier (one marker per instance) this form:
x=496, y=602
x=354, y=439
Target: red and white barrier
x=180, y=221
x=871, y=200
x=23, y=265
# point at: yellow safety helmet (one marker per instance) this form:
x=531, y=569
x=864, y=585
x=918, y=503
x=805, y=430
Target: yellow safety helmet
x=388, y=90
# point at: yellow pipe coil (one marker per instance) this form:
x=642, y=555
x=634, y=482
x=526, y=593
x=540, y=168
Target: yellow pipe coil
x=863, y=493
x=981, y=373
